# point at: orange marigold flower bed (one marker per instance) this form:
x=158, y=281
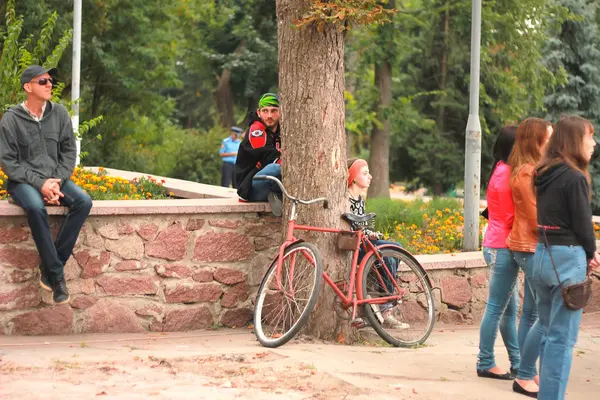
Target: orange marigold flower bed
x=100, y=186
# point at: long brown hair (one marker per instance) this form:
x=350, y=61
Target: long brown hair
x=531, y=135
x=566, y=146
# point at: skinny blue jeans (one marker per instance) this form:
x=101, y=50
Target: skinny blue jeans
x=530, y=333
x=260, y=189
x=559, y=324
x=501, y=309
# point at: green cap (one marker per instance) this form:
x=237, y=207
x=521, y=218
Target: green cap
x=268, y=100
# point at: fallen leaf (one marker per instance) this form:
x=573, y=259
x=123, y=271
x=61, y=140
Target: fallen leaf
x=102, y=393
x=415, y=391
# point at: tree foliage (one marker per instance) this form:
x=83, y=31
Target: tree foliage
x=181, y=71
x=18, y=54
x=574, y=49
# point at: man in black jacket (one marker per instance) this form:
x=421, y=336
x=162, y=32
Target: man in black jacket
x=38, y=153
x=259, y=155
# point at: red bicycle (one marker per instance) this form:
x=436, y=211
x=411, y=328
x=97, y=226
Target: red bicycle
x=388, y=291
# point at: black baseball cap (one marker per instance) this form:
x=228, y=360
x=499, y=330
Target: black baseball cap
x=35, y=70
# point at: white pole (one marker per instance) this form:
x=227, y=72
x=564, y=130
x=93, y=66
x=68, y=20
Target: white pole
x=473, y=139
x=76, y=70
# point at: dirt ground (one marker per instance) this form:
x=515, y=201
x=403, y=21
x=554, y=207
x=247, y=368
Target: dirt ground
x=230, y=364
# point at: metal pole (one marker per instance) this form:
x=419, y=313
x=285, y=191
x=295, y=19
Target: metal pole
x=76, y=71
x=473, y=139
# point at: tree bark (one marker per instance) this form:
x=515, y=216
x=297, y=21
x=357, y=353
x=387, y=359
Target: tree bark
x=224, y=99
x=224, y=95
x=379, y=162
x=444, y=65
x=311, y=81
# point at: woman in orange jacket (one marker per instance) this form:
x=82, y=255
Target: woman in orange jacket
x=531, y=138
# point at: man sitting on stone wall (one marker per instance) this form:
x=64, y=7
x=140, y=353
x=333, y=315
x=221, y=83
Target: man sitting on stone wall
x=38, y=153
x=259, y=155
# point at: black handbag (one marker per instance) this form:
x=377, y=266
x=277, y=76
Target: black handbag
x=575, y=296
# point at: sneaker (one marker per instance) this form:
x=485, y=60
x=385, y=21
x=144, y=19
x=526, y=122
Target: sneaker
x=276, y=203
x=393, y=323
x=377, y=312
x=61, y=293
x=45, y=282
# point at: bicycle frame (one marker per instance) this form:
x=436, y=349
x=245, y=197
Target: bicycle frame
x=346, y=299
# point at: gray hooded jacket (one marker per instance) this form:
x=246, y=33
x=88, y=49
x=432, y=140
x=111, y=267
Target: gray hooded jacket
x=31, y=151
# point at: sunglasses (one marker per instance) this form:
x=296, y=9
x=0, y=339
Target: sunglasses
x=44, y=81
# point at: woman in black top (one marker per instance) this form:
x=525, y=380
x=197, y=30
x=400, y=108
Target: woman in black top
x=564, y=215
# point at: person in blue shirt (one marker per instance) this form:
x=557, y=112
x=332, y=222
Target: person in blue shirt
x=228, y=152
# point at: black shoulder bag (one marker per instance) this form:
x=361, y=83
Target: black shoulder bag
x=575, y=296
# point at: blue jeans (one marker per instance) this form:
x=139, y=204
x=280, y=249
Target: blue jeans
x=559, y=324
x=54, y=255
x=260, y=189
x=391, y=264
x=530, y=333
x=501, y=309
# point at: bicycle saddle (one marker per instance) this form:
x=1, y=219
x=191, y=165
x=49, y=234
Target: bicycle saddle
x=358, y=219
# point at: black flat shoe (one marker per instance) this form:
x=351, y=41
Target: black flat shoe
x=519, y=389
x=514, y=372
x=488, y=374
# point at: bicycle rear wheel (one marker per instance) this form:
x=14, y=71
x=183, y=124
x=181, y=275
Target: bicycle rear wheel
x=281, y=311
x=408, y=320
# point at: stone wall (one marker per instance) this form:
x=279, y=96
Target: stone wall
x=136, y=273
x=179, y=265
x=461, y=283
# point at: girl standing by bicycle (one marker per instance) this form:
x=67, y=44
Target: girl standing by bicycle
x=359, y=179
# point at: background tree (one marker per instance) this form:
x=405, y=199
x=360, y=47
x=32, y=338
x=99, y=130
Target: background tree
x=187, y=68
x=379, y=159
x=16, y=55
x=575, y=49
x=229, y=57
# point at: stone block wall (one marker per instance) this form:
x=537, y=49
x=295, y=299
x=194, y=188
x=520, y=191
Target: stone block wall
x=461, y=283
x=136, y=273
x=178, y=265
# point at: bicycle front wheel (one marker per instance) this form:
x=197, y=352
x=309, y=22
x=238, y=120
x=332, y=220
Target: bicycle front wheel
x=283, y=308
x=407, y=320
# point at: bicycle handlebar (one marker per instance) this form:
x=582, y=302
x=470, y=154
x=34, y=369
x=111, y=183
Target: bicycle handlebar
x=292, y=198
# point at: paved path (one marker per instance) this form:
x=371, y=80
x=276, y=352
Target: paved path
x=229, y=364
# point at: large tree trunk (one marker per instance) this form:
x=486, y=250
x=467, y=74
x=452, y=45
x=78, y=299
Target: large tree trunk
x=311, y=80
x=379, y=163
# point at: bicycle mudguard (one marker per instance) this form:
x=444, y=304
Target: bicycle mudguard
x=402, y=250
x=290, y=244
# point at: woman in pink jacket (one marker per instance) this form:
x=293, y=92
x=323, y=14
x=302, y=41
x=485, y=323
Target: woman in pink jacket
x=503, y=300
